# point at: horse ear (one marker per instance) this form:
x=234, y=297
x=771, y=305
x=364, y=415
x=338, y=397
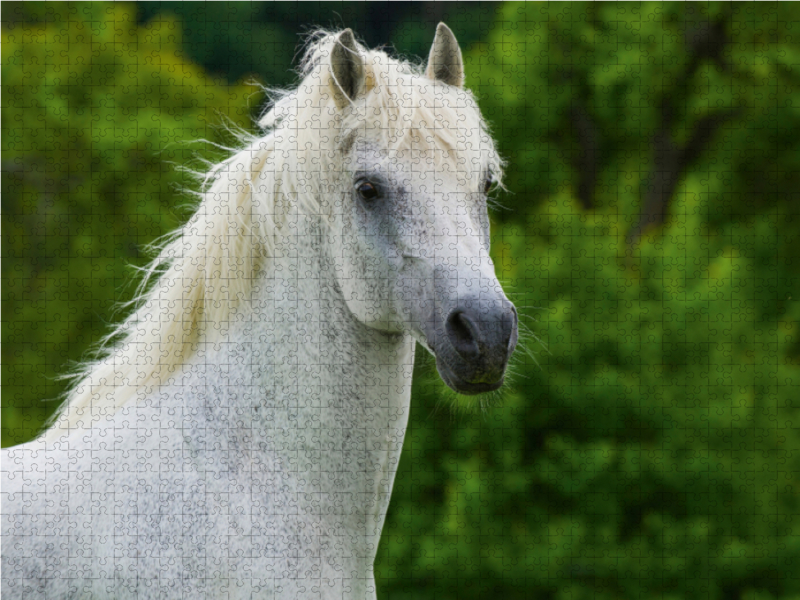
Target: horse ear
x=347, y=67
x=444, y=61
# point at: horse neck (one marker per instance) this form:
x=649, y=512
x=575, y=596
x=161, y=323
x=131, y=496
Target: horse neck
x=318, y=355
x=300, y=385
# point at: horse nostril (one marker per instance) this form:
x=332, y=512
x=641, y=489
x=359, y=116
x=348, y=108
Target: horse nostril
x=463, y=334
x=513, y=326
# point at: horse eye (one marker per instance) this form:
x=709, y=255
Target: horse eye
x=367, y=191
x=487, y=185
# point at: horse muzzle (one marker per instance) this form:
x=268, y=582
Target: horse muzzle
x=474, y=343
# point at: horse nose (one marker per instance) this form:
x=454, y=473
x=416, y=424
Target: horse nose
x=478, y=337
x=473, y=333
x=463, y=332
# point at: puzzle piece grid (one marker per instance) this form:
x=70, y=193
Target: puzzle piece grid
x=644, y=443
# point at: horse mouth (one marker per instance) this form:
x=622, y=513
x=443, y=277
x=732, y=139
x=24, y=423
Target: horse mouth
x=463, y=386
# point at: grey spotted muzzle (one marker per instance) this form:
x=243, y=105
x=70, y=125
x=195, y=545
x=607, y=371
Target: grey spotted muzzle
x=468, y=324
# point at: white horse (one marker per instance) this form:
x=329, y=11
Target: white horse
x=240, y=437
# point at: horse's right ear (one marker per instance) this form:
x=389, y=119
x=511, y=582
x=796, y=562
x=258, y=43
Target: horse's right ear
x=347, y=69
x=444, y=61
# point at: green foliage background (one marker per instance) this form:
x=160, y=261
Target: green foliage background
x=648, y=446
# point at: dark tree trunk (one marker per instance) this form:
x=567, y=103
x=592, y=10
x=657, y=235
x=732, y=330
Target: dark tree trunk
x=587, y=159
x=705, y=40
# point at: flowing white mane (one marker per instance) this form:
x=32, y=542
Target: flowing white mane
x=202, y=277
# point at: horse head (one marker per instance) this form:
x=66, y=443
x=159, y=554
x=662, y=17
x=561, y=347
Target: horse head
x=407, y=202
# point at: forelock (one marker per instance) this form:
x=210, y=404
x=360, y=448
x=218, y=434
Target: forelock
x=400, y=109
x=404, y=110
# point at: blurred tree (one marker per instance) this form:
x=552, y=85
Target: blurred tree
x=616, y=96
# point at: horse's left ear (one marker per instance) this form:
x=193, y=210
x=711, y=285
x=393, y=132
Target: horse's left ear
x=444, y=61
x=347, y=68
